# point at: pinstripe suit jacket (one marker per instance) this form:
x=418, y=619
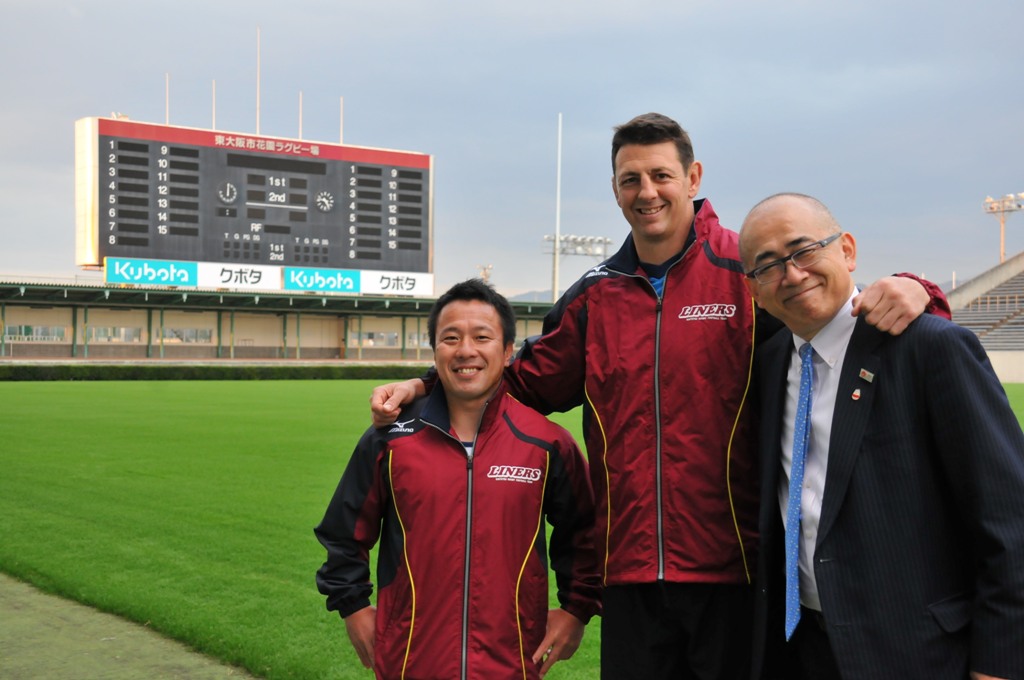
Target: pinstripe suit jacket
x=920, y=548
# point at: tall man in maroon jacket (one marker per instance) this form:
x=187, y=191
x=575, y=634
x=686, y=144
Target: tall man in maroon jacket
x=656, y=343
x=457, y=492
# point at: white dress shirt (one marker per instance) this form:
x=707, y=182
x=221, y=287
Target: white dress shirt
x=829, y=350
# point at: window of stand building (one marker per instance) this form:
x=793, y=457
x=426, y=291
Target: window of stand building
x=115, y=334
x=199, y=336
x=417, y=340
x=374, y=339
x=19, y=333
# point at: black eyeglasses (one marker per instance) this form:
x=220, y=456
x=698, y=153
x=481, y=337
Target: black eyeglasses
x=803, y=258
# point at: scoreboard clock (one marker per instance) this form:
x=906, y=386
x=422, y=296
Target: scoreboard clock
x=159, y=192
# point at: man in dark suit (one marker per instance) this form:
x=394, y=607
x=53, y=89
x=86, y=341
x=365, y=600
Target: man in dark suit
x=906, y=552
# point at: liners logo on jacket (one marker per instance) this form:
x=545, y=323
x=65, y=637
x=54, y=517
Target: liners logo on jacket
x=514, y=473
x=712, y=312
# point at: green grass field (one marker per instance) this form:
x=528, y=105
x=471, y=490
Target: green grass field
x=189, y=506
x=1015, y=392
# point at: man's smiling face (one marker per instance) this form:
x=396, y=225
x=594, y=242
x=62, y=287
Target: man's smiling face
x=805, y=299
x=655, y=194
x=470, y=350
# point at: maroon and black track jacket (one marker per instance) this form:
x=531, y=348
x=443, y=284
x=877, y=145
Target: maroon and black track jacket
x=463, y=562
x=664, y=387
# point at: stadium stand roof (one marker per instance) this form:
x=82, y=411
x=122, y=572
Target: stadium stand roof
x=38, y=294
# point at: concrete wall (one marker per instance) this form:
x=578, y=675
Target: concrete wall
x=38, y=316
x=1009, y=366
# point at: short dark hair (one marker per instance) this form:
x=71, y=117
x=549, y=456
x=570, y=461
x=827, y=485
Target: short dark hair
x=653, y=128
x=474, y=289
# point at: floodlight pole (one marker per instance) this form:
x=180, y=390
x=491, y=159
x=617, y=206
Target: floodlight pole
x=257, y=80
x=1000, y=206
x=558, y=214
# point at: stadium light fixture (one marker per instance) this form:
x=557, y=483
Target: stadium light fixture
x=1001, y=206
x=571, y=244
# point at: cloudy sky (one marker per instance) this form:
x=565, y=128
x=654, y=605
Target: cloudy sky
x=901, y=116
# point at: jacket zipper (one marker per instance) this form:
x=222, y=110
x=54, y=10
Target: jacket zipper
x=465, y=575
x=657, y=436
x=659, y=515
x=657, y=399
x=657, y=410
x=464, y=661
x=657, y=406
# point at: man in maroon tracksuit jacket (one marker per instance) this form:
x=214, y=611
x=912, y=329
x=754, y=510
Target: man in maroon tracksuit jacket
x=456, y=492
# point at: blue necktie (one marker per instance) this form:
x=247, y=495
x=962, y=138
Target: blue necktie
x=801, y=433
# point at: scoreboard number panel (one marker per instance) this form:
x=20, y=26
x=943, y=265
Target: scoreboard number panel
x=171, y=193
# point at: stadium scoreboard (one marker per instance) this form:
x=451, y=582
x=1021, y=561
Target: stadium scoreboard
x=155, y=193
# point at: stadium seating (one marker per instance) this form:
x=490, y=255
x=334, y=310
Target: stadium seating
x=997, y=316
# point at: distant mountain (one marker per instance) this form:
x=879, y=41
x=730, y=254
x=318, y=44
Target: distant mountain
x=533, y=296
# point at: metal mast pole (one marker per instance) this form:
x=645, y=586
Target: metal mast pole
x=558, y=215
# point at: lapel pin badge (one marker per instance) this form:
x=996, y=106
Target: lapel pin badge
x=865, y=374
x=856, y=394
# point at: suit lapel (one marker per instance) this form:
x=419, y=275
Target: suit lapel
x=849, y=420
